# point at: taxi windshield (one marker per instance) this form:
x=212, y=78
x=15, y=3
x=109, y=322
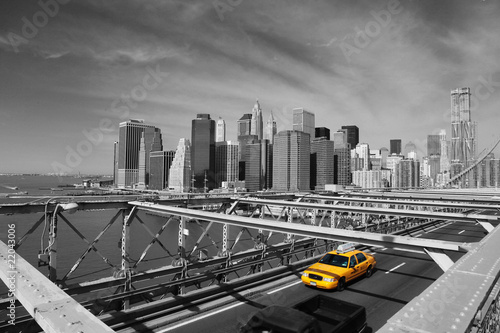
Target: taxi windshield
x=334, y=260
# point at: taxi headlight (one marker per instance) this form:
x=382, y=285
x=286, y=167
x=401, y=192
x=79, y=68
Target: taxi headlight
x=305, y=274
x=329, y=279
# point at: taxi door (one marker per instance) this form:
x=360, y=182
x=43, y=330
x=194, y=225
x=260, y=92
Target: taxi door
x=353, y=272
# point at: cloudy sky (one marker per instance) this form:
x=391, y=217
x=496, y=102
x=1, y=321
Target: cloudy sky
x=72, y=71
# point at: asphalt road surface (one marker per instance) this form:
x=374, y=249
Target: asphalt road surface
x=400, y=276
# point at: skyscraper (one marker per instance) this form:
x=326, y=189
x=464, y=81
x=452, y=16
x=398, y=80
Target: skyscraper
x=129, y=143
x=258, y=166
x=179, y=178
x=363, y=151
x=244, y=125
x=226, y=162
x=220, y=130
x=159, y=168
x=322, y=168
x=445, y=160
x=463, y=130
x=407, y=174
x=341, y=159
x=271, y=129
x=352, y=132
x=291, y=161
x=433, y=144
x=322, y=132
x=151, y=140
x=395, y=146
x=304, y=121
x=203, y=151
x=256, y=127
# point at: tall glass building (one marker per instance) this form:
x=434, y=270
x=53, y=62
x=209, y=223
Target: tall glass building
x=203, y=151
x=304, y=121
x=129, y=145
x=291, y=161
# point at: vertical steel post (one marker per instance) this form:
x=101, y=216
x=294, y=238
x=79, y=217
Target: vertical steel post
x=289, y=237
x=225, y=233
x=181, y=242
x=332, y=220
x=53, y=246
x=125, y=247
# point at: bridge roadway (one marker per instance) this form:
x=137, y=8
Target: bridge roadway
x=400, y=277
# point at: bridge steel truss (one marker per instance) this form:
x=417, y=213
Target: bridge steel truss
x=126, y=288
x=186, y=273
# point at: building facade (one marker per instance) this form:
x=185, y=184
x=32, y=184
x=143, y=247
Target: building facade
x=352, y=132
x=129, y=145
x=256, y=127
x=304, y=121
x=322, y=162
x=395, y=146
x=179, y=177
x=203, y=151
x=226, y=162
x=159, y=166
x=220, y=131
x=271, y=129
x=291, y=161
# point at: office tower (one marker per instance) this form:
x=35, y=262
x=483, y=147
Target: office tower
x=179, y=177
x=363, y=152
x=151, y=140
x=244, y=125
x=226, y=162
x=129, y=144
x=203, y=151
x=341, y=159
x=384, y=153
x=322, y=168
x=220, y=132
x=371, y=178
x=256, y=127
x=395, y=146
x=322, y=132
x=159, y=168
x=433, y=144
x=291, y=161
x=304, y=121
x=392, y=161
x=463, y=130
x=407, y=174
x=352, y=132
x=258, y=166
x=271, y=129
x=495, y=172
x=410, y=150
x=445, y=161
x=115, y=163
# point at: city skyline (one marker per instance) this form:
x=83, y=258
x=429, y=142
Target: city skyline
x=64, y=81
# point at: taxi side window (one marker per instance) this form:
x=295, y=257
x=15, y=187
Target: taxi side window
x=352, y=261
x=361, y=257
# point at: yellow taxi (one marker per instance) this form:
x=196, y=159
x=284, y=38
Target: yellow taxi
x=338, y=267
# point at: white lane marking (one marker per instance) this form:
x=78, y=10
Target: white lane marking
x=383, y=249
x=200, y=317
x=417, y=236
x=291, y=284
x=461, y=232
x=394, y=268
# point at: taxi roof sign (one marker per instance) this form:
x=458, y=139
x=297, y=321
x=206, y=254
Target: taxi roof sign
x=347, y=247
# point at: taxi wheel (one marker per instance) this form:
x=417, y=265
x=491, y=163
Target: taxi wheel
x=341, y=284
x=369, y=272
